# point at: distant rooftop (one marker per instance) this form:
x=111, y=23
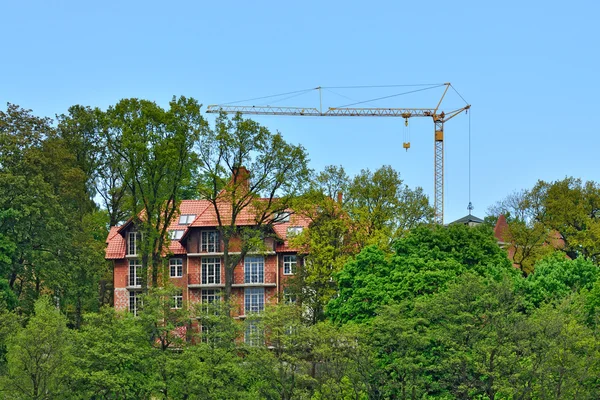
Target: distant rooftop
x=469, y=219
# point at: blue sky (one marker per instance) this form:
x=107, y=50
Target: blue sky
x=529, y=69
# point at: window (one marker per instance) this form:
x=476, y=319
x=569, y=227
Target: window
x=135, y=271
x=211, y=270
x=210, y=242
x=177, y=301
x=176, y=267
x=254, y=300
x=282, y=217
x=187, y=219
x=134, y=302
x=209, y=299
x=289, y=265
x=254, y=270
x=294, y=231
x=175, y=234
x=253, y=336
x=133, y=243
x=288, y=296
x=206, y=334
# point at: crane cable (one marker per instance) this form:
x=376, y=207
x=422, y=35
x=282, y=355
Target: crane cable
x=301, y=92
x=470, y=206
x=387, y=97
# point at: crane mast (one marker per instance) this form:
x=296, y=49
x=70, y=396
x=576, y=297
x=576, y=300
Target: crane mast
x=439, y=119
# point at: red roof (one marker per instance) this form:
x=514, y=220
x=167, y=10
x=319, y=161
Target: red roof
x=281, y=230
x=115, y=248
x=501, y=229
x=205, y=217
x=246, y=217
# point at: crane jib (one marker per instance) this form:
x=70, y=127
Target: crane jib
x=439, y=118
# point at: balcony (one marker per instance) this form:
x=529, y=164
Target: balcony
x=195, y=281
x=133, y=282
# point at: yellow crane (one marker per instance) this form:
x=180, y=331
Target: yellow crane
x=439, y=117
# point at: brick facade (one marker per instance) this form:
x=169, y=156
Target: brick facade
x=192, y=249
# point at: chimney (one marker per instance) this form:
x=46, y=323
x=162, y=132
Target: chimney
x=339, y=199
x=241, y=177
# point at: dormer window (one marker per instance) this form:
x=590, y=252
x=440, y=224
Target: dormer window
x=294, y=231
x=187, y=219
x=282, y=217
x=176, y=234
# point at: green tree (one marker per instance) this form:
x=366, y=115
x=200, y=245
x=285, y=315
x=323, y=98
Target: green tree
x=426, y=260
x=326, y=246
x=155, y=147
x=342, y=364
x=247, y=170
x=563, y=215
x=216, y=366
x=525, y=238
x=43, y=202
x=572, y=208
x=165, y=323
x=383, y=207
x=113, y=357
x=40, y=356
x=556, y=277
x=566, y=360
x=286, y=361
x=347, y=214
x=83, y=129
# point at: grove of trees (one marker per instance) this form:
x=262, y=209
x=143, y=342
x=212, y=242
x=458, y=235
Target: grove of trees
x=387, y=304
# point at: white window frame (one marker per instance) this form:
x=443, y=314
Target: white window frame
x=177, y=301
x=254, y=269
x=294, y=231
x=186, y=219
x=134, y=302
x=290, y=263
x=134, y=279
x=133, y=239
x=208, y=297
x=205, y=332
x=210, y=268
x=176, y=267
x=176, y=234
x=252, y=334
x=289, y=298
x=254, y=300
x=210, y=242
x=281, y=217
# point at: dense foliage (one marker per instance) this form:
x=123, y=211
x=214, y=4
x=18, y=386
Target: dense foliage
x=387, y=305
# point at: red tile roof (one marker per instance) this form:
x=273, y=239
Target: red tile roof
x=205, y=217
x=115, y=248
x=281, y=230
x=246, y=217
x=501, y=229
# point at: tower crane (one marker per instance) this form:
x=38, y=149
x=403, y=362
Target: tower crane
x=439, y=117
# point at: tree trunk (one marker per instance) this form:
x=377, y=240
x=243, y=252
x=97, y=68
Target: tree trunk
x=156, y=262
x=144, y=273
x=228, y=272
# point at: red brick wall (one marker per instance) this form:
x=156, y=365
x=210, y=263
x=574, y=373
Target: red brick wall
x=195, y=296
x=121, y=273
x=121, y=299
x=193, y=270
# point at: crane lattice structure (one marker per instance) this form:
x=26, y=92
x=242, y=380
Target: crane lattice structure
x=439, y=117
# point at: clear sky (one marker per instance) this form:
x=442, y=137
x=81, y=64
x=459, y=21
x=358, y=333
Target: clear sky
x=529, y=69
